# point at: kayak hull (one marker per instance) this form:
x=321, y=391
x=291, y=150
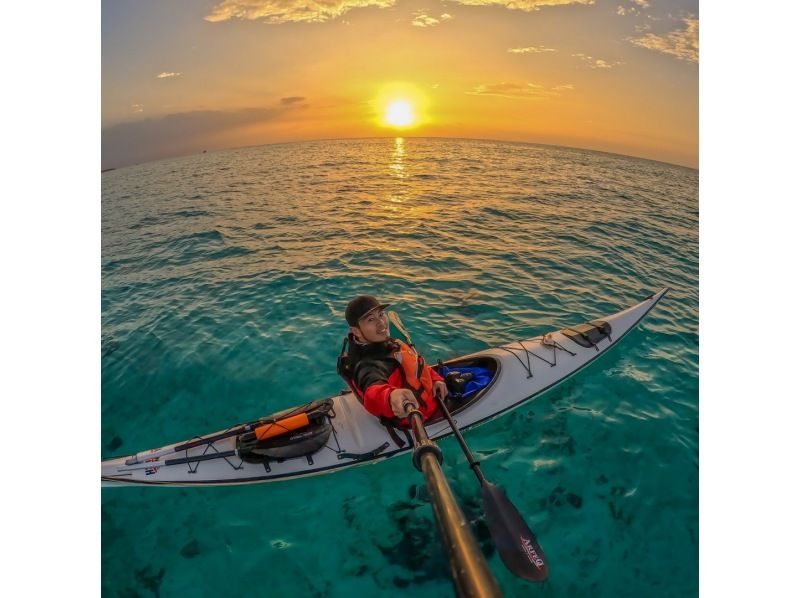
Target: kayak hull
x=523, y=370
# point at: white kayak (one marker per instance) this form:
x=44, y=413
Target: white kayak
x=340, y=433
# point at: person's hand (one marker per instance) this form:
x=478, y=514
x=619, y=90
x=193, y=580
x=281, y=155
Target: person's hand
x=440, y=389
x=398, y=397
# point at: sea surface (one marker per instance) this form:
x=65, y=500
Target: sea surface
x=224, y=280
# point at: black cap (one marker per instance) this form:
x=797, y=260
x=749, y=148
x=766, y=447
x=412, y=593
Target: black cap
x=360, y=307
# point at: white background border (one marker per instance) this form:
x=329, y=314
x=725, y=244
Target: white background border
x=750, y=497
x=50, y=339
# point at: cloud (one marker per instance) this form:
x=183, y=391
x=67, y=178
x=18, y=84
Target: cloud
x=597, y=63
x=168, y=75
x=518, y=91
x=683, y=44
x=602, y=64
x=526, y=5
x=633, y=10
x=178, y=134
x=531, y=50
x=137, y=107
x=292, y=100
x=288, y=11
x=423, y=20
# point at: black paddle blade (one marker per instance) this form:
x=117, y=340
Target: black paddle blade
x=515, y=542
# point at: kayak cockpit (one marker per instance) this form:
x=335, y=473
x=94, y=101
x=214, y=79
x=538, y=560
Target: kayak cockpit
x=467, y=381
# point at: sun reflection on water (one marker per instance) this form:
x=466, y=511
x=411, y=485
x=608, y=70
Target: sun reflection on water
x=397, y=166
x=404, y=204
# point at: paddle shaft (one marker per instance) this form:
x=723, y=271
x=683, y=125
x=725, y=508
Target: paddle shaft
x=471, y=575
x=472, y=462
x=462, y=443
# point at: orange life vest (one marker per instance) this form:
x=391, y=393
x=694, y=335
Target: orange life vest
x=411, y=373
x=415, y=374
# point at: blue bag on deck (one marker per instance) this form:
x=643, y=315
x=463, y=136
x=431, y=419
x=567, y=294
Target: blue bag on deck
x=482, y=378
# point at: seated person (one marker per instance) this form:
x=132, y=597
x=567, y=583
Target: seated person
x=384, y=373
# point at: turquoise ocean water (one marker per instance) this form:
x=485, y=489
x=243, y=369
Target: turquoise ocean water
x=224, y=280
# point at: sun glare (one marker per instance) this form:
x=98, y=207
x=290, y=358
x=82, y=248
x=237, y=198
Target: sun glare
x=399, y=114
x=400, y=105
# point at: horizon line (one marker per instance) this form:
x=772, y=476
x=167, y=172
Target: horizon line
x=569, y=147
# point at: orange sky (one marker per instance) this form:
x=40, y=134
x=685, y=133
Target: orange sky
x=183, y=76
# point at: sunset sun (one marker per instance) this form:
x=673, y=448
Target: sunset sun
x=400, y=105
x=399, y=113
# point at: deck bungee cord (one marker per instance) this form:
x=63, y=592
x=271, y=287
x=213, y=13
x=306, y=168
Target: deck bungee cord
x=528, y=368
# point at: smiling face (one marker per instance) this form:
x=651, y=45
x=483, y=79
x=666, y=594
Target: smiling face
x=373, y=327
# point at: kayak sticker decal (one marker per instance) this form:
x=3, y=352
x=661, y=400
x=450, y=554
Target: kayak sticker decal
x=151, y=470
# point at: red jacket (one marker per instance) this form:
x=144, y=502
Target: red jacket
x=376, y=397
x=377, y=374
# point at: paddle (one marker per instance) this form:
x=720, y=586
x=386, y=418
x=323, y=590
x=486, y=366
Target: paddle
x=516, y=543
